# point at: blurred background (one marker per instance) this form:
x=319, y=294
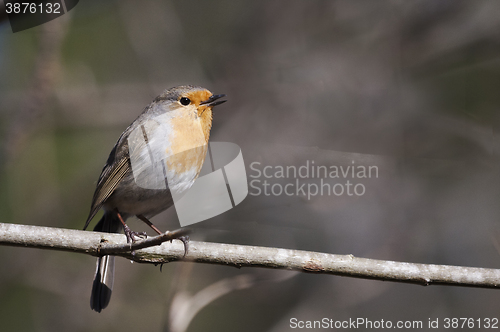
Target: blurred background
x=409, y=87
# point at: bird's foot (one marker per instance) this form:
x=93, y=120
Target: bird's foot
x=185, y=241
x=133, y=236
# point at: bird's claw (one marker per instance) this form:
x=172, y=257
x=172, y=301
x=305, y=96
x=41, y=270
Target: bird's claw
x=185, y=241
x=133, y=236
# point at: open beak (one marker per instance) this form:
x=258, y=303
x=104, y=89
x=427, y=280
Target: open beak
x=212, y=101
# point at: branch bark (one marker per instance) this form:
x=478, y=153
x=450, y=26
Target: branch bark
x=96, y=244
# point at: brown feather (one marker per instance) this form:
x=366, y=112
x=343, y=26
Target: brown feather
x=107, y=184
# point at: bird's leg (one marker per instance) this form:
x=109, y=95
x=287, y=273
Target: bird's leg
x=183, y=239
x=149, y=223
x=130, y=234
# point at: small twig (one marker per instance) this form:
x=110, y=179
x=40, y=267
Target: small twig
x=107, y=248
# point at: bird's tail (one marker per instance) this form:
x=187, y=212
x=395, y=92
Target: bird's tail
x=105, y=269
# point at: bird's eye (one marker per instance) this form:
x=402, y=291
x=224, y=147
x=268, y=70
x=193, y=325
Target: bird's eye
x=185, y=101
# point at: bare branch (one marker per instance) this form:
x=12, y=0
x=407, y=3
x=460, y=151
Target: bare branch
x=185, y=306
x=248, y=256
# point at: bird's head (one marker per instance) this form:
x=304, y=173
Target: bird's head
x=193, y=103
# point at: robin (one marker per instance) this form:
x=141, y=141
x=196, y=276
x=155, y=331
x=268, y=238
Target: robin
x=185, y=114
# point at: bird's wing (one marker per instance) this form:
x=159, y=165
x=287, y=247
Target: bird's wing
x=116, y=168
x=108, y=181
